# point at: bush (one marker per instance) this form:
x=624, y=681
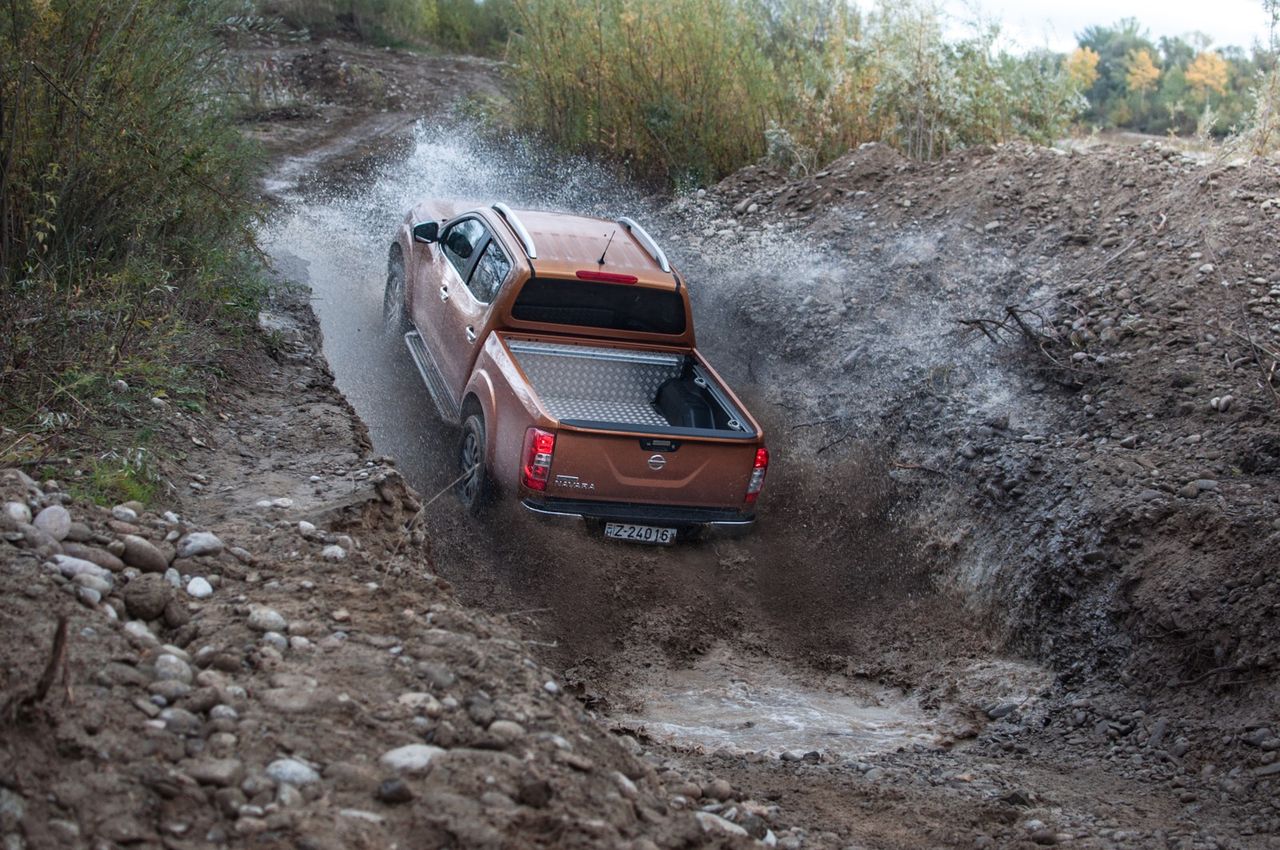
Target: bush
x=380, y=21
x=687, y=91
x=128, y=203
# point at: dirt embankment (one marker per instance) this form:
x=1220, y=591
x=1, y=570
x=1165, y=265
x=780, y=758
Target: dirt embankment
x=1069, y=362
x=277, y=663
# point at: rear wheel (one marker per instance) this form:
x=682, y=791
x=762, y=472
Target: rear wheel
x=474, y=488
x=394, y=317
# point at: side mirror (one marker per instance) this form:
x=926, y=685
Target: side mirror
x=426, y=231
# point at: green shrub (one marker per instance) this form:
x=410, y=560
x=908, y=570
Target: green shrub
x=128, y=199
x=380, y=21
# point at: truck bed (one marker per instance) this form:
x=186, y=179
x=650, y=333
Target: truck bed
x=624, y=388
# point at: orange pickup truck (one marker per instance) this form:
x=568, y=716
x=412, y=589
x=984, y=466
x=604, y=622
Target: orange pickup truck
x=563, y=347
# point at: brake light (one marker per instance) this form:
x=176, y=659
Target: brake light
x=607, y=277
x=756, y=484
x=539, y=446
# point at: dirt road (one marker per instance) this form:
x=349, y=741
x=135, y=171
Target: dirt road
x=949, y=631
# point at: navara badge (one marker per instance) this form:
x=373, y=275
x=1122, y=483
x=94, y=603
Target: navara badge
x=656, y=462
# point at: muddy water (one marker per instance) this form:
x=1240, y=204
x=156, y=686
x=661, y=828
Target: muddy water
x=726, y=700
x=337, y=242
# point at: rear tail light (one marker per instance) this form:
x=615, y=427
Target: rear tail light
x=756, y=484
x=539, y=446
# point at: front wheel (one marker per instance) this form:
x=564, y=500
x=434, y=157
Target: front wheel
x=474, y=488
x=394, y=317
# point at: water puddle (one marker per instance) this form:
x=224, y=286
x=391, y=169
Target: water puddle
x=751, y=704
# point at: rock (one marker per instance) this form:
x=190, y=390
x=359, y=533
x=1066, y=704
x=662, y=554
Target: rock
x=146, y=596
x=124, y=513
x=80, y=533
x=264, y=619
x=89, y=597
x=142, y=554
x=293, y=772
x=19, y=513
x=306, y=529
x=37, y=539
x=223, y=773
x=199, y=543
x=506, y=730
x=72, y=567
x=102, y=584
x=288, y=796
x=139, y=631
x=199, y=588
x=180, y=721
x=995, y=711
x=394, y=790
x=94, y=555
x=333, y=552
x=176, y=614
x=54, y=521
x=716, y=824
x=172, y=667
x=718, y=789
x=1224, y=403
x=411, y=758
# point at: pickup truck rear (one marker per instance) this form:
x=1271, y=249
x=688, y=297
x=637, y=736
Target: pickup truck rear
x=563, y=347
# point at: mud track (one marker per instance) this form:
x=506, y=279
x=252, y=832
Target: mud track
x=849, y=676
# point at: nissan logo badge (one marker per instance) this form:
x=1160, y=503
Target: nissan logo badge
x=656, y=462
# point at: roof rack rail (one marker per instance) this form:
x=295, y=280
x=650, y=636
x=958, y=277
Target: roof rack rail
x=518, y=226
x=647, y=241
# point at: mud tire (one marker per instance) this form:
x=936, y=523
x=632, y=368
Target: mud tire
x=475, y=489
x=395, y=318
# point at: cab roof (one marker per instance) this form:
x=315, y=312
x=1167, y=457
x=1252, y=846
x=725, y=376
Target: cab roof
x=566, y=244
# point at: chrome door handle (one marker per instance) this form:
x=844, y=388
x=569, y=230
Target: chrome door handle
x=444, y=293
x=471, y=334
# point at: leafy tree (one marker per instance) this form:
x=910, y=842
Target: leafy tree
x=1082, y=67
x=1208, y=72
x=1141, y=73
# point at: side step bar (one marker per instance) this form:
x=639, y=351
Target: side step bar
x=449, y=411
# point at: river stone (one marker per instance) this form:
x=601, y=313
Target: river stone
x=72, y=567
x=124, y=513
x=333, y=552
x=199, y=543
x=199, y=588
x=715, y=823
x=38, y=539
x=292, y=771
x=18, y=512
x=80, y=533
x=264, y=619
x=411, y=758
x=54, y=521
x=93, y=554
x=146, y=596
x=143, y=554
x=221, y=772
x=172, y=667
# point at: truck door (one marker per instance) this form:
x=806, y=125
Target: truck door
x=475, y=270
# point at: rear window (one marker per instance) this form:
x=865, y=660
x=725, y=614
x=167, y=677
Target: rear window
x=591, y=304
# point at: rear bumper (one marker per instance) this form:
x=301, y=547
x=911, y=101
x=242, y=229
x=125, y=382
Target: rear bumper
x=721, y=521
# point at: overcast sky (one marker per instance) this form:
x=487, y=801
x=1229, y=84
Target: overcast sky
x=1054, y=23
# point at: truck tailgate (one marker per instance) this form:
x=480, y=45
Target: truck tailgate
x=617, y=467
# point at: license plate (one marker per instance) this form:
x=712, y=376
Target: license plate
x=639, y=533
